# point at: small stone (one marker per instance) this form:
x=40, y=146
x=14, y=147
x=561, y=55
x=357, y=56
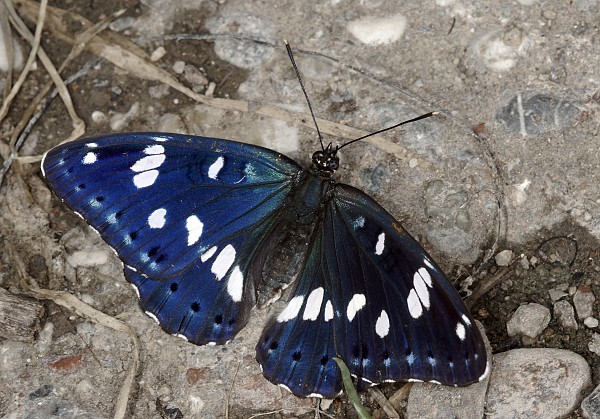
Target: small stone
x=41, y=392
x=594, y=344
x=99, y=117
x=536, y=383
x=157, y=54
x=524, y=262
x=195, y=77
x=590, y=406
x=178, y=67
x=584, y=301
x=565, y=315
x=556, y=295
x=504, y=257
x=193, y=375
x=67, y=364
x=528, y=320
x=591, y=322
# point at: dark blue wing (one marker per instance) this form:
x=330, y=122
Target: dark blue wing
x=370, y=294
x=185, y=214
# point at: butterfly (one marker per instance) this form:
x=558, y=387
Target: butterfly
x=194, y=220
x=207, y=228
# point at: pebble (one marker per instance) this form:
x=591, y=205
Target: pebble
x=536, y=383
x=157, y=54
x=499, y=51
x=87, y=258
x=556, y=295
x=195, y=77
x=528, y=320
x=590, y=406
x=178, y=66
x=119, y=121
x=541, y=113
x=239, y=52
x=504, y=257
x=378, y=31
x=565, y=315
x=594, y=344
x=591, y=322
x=584, y=301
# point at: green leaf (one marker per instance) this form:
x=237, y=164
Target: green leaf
x=350, y=390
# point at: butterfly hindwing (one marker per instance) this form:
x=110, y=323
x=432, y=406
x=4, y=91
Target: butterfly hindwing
x=186, y=216
x=387, y=309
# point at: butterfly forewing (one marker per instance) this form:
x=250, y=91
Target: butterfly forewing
x=185, y=215
x=387, y=309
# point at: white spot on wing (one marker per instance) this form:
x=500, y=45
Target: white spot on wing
x=380, y=244
x=313, y=304
x=216, y=167
x=208, y=254
x=235, y=285
x=180, y=336
x=91, y=145
x=148, y=163
x=382, y=326
x=194, y=227
x=291, y=310
x=157, y=218
x=112, y=218
x=359, y=222
x=90, y=158
x=460, y=331
x=223, y=262
x=414, y=305
x=357, y=302
x=421, y=289
x=328, y=311
x=428, y=263
x=145, y=179
x=466, y=319
x=154, y=149
x=425, y=276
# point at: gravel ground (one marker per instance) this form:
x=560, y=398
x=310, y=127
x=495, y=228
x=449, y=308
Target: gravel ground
x=509, y=168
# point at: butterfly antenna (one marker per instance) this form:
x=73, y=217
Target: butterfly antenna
x=289, y=51
x=418, y=118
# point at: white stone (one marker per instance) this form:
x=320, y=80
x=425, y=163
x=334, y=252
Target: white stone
x=378, y=31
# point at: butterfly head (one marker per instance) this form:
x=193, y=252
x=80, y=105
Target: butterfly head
x=326, y=161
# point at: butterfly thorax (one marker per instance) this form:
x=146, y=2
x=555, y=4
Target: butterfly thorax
x=289, y=239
